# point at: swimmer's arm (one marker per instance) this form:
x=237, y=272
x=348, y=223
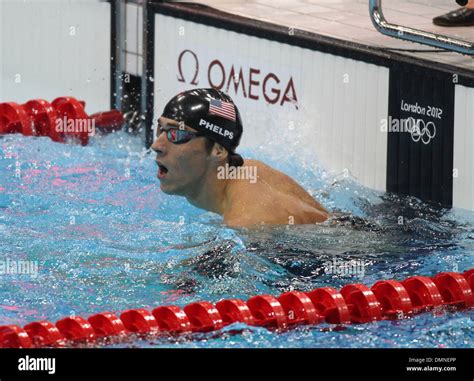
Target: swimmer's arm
x=246, y=217
x=308, y=215
x=240, y=222
x=248, y=223
x=316, y=216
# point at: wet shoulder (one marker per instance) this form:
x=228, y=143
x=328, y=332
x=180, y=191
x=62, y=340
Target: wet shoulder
x=281, y=182
x=267, y=173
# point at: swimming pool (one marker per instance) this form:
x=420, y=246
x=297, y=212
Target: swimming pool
x=104, y=237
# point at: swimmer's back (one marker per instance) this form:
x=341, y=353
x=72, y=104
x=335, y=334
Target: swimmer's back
x=275, y=198
x=282, y=183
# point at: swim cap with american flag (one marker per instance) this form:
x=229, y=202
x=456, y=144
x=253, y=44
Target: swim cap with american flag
x=209, y=111
x=222, y=108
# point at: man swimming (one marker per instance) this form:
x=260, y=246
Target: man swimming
x=197, y=135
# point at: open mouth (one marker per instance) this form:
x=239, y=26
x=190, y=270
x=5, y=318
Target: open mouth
x=162, y=170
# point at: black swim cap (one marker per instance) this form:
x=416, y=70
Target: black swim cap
x=209, y=111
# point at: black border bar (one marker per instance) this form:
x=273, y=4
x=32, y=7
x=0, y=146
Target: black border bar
x=269, y=364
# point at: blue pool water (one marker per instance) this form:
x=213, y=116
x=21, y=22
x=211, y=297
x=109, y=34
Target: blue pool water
x=105, y=237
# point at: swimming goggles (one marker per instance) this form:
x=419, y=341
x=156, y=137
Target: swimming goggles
x=176, y=135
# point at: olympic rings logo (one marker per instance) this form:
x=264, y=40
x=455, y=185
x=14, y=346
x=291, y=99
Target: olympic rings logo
x=420, y=130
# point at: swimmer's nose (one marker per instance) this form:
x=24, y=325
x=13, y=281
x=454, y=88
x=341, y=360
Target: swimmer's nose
x=159, y=145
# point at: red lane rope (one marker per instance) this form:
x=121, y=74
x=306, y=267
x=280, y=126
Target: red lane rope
x=354, y=303
x=63, y=117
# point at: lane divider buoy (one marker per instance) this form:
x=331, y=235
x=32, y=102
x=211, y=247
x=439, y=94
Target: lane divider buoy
x=38, y=117
x=353, y=304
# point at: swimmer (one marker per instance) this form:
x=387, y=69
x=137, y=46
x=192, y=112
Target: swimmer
x=197, y=135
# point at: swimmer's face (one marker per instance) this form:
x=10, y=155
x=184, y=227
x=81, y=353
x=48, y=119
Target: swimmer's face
x=180, y=166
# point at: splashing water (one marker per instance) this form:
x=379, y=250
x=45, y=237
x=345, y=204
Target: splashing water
x=104, y=237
